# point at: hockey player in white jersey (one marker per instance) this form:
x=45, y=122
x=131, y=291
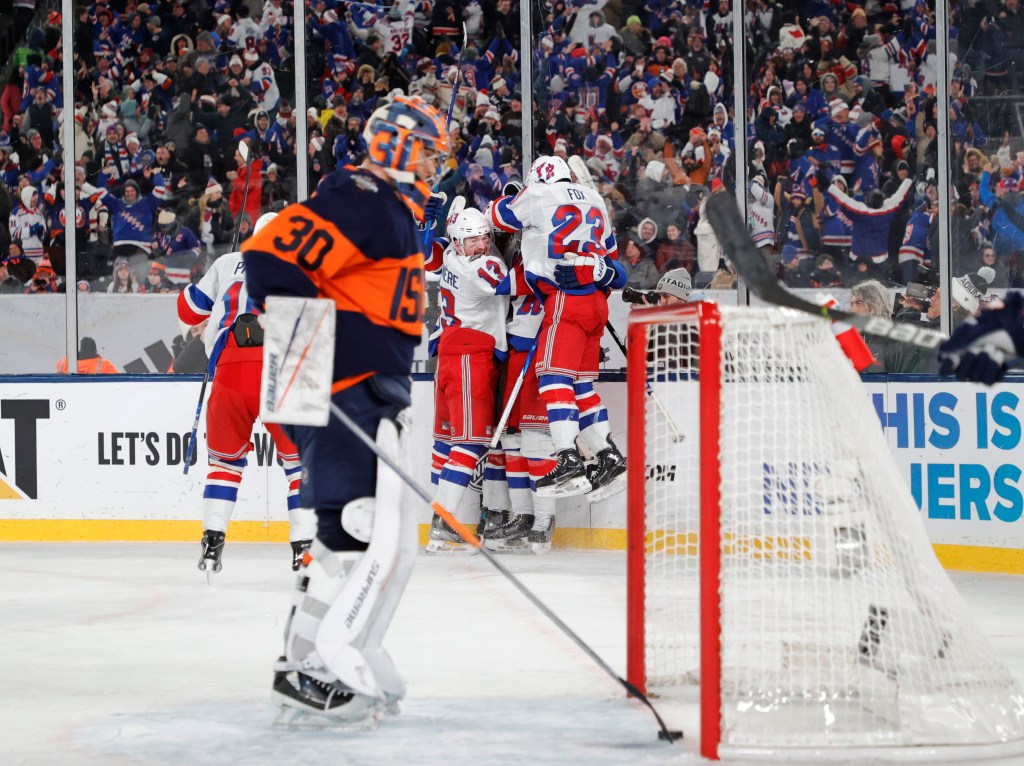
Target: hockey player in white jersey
x=567, y=223
x=527, y=444
x=234, y=346
x=395, y=27
x=473, y=289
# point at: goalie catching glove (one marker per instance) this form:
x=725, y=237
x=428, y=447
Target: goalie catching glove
x=980, y=348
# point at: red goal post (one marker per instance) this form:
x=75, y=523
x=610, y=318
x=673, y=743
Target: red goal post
x=777, y=560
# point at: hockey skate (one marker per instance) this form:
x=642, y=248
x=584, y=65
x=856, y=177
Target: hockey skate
x=212, y=548
x=299, y=548
x=308, y=702
x=539, y=536
x=567, y=478
x=510, y=537
x=609, y=478
x=489, y=521
x=445, y=540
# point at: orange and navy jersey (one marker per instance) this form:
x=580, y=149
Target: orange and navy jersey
x=356, y=243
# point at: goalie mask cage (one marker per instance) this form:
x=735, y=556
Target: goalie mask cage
x=777, y=558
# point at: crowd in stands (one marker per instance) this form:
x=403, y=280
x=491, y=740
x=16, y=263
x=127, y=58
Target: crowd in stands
x=839, y=119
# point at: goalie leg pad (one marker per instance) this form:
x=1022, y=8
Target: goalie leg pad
x=351, y=597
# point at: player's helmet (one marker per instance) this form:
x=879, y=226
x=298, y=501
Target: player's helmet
x=467, y=223
x=401, y=134
x=548, y=170
x=262, y=221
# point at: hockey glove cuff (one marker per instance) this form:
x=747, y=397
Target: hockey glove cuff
x=580, y=272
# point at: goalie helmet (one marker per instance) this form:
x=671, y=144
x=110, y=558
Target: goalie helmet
x=466, y=224
x=548, y=170
x=401, y=134
x=262, y=221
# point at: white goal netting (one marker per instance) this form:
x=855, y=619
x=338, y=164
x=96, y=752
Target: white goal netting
x=839, y=629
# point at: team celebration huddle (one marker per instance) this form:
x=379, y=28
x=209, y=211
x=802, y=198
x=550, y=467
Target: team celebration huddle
x=536, y=307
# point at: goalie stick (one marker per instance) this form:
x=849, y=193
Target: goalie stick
x=471, y=539
x=754, y=270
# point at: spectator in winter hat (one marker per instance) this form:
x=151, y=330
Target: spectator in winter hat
x=156, y=280
x=43, y=281
x=674, y=287
x=123, y=279
x=636, y=38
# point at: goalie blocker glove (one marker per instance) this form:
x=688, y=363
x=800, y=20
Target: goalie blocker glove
x=980, y=348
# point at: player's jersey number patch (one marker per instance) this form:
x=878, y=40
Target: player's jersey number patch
x=567, y=220
x=407, y=300
x=312, y=244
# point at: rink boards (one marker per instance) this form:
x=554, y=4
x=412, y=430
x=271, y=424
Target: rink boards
x=102, y=459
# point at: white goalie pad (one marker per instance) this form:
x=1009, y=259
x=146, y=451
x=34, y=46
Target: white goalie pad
x=351, y=597
x=298, y=361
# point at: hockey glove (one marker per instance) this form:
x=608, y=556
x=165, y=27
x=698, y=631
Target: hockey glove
x=580, y=272
x=979, y=349
x=511, y=188
x=434, y=209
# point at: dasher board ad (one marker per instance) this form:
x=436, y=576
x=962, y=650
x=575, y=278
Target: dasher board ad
x=114, y=449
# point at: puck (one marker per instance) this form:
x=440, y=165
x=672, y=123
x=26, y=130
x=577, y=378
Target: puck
x=670, y=736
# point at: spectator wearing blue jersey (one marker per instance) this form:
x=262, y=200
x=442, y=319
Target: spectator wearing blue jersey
x=133, y=215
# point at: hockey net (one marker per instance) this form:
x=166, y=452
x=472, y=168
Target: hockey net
x=777, y=559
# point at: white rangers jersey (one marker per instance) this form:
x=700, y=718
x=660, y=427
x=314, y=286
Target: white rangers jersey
x=221, y=296
x=557, y=220
x=397, y=33
x=28, y=226
x=524, y=325
x=467, y=295
x=264, y=89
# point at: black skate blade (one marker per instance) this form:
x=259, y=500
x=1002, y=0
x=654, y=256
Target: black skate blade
x=508, y=547
x=449, y=548
x=293, y=716
x=577, y=486
x=612, y=488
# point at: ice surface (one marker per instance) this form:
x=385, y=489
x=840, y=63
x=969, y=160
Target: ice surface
x=121, y=654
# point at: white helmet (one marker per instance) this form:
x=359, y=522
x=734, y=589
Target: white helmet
x=262, y=221
x=548, y=170
x=467, y=223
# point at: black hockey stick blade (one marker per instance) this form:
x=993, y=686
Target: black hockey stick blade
x=754, y=270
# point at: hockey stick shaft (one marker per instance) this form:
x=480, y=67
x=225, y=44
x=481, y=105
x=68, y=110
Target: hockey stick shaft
x=474, y=541
x=677, y=435
x=448, y=118
x=754, y=270
x=245, y=200
x=195, y=423
x=507, y=412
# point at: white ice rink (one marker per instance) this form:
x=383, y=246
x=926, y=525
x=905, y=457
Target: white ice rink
x=121, y=654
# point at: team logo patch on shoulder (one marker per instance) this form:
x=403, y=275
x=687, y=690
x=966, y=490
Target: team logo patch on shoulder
x=365, y=184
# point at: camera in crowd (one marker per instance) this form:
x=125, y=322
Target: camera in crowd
x=640, y=297
x=919, y=292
